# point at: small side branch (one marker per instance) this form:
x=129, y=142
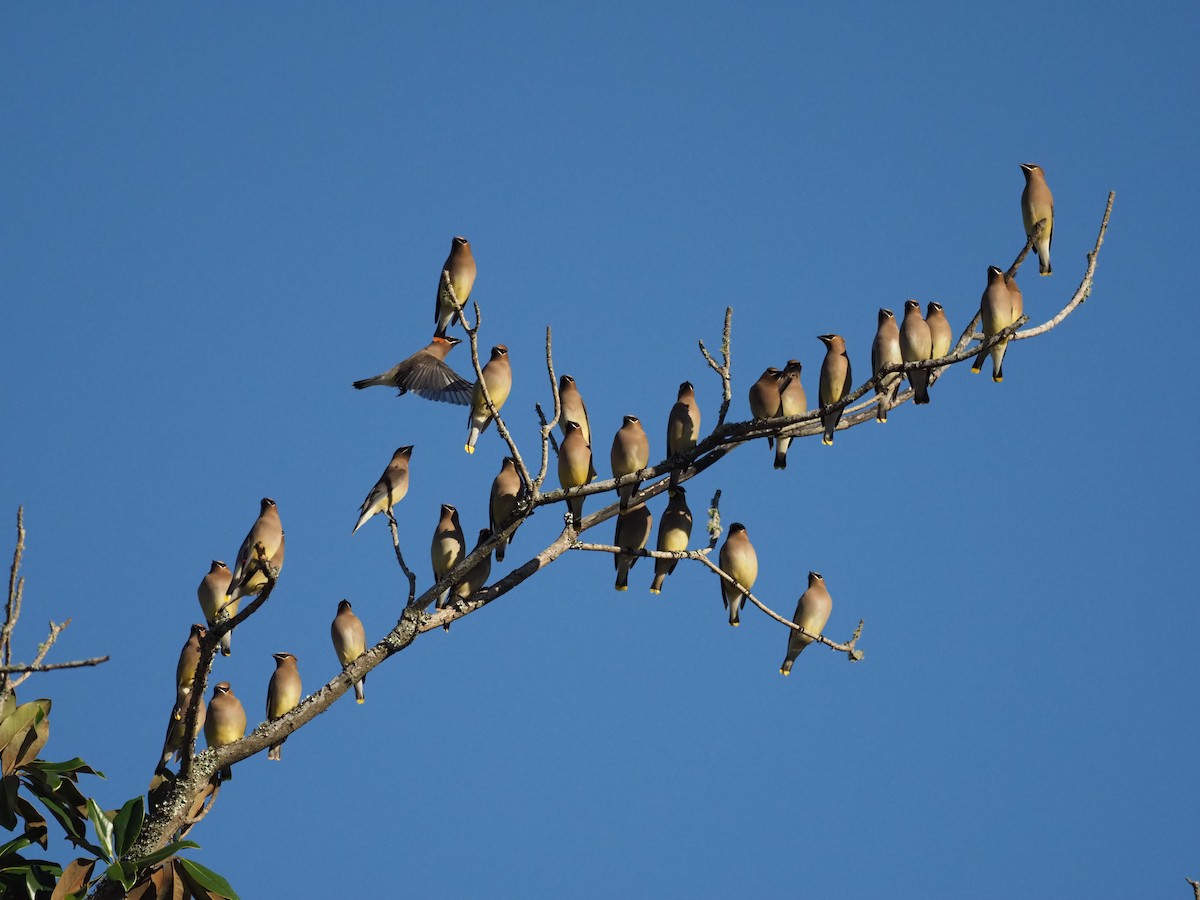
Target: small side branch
x=408, y=573
x=724, y=369
x=547, y=426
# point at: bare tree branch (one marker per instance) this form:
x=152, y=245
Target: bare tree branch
x=724, y=369
x=408, y=573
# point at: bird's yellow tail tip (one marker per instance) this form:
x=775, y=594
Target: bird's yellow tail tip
x=655, y=591
x=735, y=624
x=785, y=672
x=622, y=587
x=468, y=448
x=997, y=379
x=976, y=370
x=828, y=442
x=361, y=700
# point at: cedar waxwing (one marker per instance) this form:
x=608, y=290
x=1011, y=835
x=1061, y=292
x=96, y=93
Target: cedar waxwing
x=764, y=395
x=426, y=374
x=674, y=532
x=1037, y=203
x=939, y=329
x=836, y=383
x=916, y=345
x=497, y=375
x=389, y=489
x=1018, y=302
x=574, y=468
x=996, y=310
x=572, y=408
x=812, y=612
x=506, y=490
x=349, y=643
x=477, y=576
x=213, y=592
x=448, y=547
x=683, y=426
x=633, y=531
x=461, y=266
x=249, y=579
x=792, y=402
x=739, y=561
x=189, y=658
x=226, y=721
x=885, y=350
x=174, y=740
x=283, y=694
x=630, y=453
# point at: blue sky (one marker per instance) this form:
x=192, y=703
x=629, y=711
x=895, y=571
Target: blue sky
x=217, y=218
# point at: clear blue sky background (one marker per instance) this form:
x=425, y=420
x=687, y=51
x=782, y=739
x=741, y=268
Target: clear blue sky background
x=216, y=218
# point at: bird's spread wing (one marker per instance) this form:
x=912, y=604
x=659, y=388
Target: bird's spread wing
x=432, y=379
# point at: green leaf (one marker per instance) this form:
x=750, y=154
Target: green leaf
x=70, y=765
x=18, y=728
x=8, y=702
x=38, y=736
x=207, y=878
x=104, y=828
x=19, y=843
x=35, y=822
x=122, y=872
x=8, y=802
x=159, y=855
x=128, y=824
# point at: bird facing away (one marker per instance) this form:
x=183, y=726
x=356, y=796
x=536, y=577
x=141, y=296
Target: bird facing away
x=478, y=574
x=283, y=695
x=885, y=350
x=189, y=658
x=764, y=395
x=836, y=383
x=739, y=561
x=213, y=592
x=174, y=740
x=792, y=402
x=683, y=426
x=448, y=547
x=674, y=532
x=633, y=531
x=249, y=578
x=996, y=311
x=461, y=266
x=389, y=489
x=572, y=408
x=349, y=643
x=426, y=374
x=1037, y=203
x=916, y=345
x=630, y=453
x=497, y=377
x=226, y=721
x=574, y=468
x=506, y=489
x=812, y=612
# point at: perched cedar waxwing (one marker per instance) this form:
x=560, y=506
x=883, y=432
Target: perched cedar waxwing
x=213, y=592
x=916, y=345
x=477, y=576
x=792, y=402
x=389, y=489
x=461, y=266
x=630, y=453
x=764, y=395
x=497, y=376
x=426, y=374
x=836, y=383
x=349, y=643
x=572, y=408
x=996, y=310
x=174, y=740
x=1037, y=203
x=939, y=329
x=189, y=658
x=283, y=694
x=739, y=561
x=885, y=350
x=249, y=579
x=574, y=468
x=1018, y=302
x=683, y=426
x=812, y=612
x=226, y=721
x=448, y=547
x=633, y=531
x=506, y=489
x=674, y=532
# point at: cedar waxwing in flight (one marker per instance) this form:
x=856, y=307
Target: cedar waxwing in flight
x=572, y=408
x=574, y=468
x=996, y=310
x=448, y=548
x=939, y=330
x=506, y=489
x=633, y=531
x=174, y=740
x=349, y=643
x=916, y=345
x=885, y=350
x=812, y=612
x=836, y=383
x=461, y=266
x=792, y=402
x=249, y=579
x=189, y=658
x=283, y=695
x=426, y=374
x=674, y=532
x=497, y=376
x=1037, y=203
x=630, y=453
x=389, y=489
x=739, y=561
x=213, y=592
x=764, y=395
x=477, y=576
x=683, y=426
x=226, y=721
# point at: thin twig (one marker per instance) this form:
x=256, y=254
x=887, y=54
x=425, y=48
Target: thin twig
x=724, y=369
x=408, y=573
x=12, y=609
x=50, y=667
x=547, y=426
